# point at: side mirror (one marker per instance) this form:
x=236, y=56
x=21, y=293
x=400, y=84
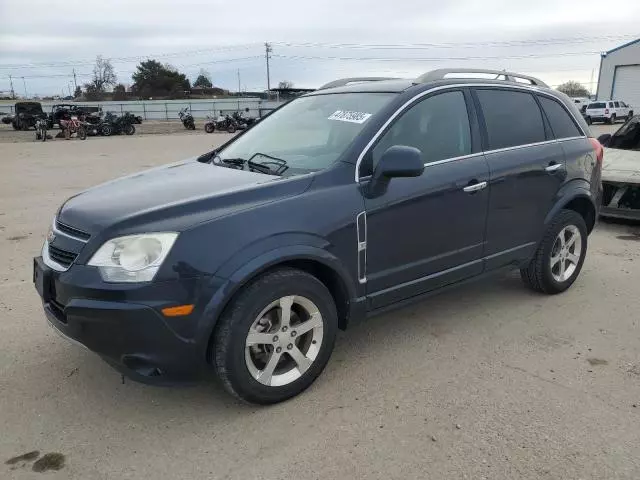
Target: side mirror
x=604, y=139
x=398, y=161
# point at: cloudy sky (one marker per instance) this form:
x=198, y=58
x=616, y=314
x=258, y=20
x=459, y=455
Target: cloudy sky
x=313, y=42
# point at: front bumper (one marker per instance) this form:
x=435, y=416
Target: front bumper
x=124, y=325
x=621, y=200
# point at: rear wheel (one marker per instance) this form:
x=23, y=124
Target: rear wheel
x=231, y=128
x=276, y=337
x=560, y=255
x=612, y=120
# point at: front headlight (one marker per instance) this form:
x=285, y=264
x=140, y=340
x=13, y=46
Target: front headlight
x=134, y=258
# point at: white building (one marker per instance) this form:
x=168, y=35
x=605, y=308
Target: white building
x=619, y=77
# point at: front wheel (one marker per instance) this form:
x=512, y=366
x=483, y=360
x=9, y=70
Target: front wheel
x=129, y=129
x=560, y=255
x=276, y=337
x=209, y=128
x=82, y=133
x=192, y=126
x=589, y=121
x=106, y=130
x=231, y=128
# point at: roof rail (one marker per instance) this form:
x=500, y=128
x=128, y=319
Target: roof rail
x=346, y=81
x=441, y=73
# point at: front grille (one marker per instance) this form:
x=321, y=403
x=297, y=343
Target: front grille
x=61, y=257
x=74, y=232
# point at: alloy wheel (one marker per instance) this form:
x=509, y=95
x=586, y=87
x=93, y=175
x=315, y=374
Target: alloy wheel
x=284, y=340
x=565, y=253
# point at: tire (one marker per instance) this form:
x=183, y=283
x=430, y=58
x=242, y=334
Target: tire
x=589, y=121
x=209, y=128
x=15, y=125
x=232, y=358
x=192, y=126
x=630, y=116
x=612, y=120
x=129, y=129
x=44, y=135
x=540, y=275
x=106, y=130
x=231, y=129
x=82, y=133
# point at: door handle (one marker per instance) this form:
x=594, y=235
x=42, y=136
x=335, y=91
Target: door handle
x=553, y=167
x=475, y=187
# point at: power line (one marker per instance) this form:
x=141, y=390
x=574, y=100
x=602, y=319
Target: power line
x=421, y=46
x=136, y=58
x=434, y=59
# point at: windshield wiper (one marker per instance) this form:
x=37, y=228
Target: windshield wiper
x=274, y=166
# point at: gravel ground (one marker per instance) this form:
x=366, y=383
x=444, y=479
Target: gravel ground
x=486, y=381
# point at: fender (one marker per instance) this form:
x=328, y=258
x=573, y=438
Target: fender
x=570, y=191
x=254, y=267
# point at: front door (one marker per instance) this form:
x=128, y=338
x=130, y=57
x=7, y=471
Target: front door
x=427, y=231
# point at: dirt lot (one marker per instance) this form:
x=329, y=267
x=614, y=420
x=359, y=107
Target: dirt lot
x=487, y=381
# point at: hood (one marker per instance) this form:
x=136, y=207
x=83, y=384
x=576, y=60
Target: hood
x=621, y=166
x=182, y=194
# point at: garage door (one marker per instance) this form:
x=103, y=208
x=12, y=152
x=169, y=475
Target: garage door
x=627, y=85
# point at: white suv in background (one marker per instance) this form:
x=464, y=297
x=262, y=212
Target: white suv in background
x=607, y=111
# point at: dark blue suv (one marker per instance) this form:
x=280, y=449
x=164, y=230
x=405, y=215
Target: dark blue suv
x=359, y=197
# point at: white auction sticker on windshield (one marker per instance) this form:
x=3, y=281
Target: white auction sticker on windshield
x=347, y=116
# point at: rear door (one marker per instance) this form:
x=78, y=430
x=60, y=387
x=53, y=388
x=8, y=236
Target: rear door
x=527, y=169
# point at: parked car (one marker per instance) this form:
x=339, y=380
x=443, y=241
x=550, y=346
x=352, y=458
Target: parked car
x=608, y=111
x=581, y=103
x=348, y=201
x=26, y=114
x=621, y=172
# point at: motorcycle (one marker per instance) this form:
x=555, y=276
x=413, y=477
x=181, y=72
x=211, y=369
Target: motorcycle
x=187, y=119
x=114, y=125
x=225, y=123
x=41, y=129
x=73, y=125
x=242, y=121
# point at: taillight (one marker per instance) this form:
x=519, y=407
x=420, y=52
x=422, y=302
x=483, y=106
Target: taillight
x=606, y=111
x=598, y=148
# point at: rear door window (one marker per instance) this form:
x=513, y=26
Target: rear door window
x=512, y=118
x=617, y=104
x=561, y=122
x=610, y=104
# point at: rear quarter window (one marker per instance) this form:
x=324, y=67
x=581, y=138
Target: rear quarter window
x=512, y=118
x=560, y=120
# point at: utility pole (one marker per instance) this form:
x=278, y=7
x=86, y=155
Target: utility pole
x=25, y=87
x=268, y=50
x=591, y=83
x=75, y=82
x=13, y=92
x=238, y=90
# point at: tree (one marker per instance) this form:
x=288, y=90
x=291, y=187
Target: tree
x=119, y=92
x=573, y=89
x=285, y=84
x=77, y=93
x=103, y=77
x=203, y=80
x=152, y=79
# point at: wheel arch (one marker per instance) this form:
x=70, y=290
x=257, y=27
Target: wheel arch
x=315, y=261
x=576, y=197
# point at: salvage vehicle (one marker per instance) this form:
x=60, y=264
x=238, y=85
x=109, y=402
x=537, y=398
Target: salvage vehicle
x=64, y=111
x=356, y=198
x=621, y=172
x=26, y=114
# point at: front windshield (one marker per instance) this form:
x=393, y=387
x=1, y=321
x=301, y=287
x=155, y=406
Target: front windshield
x=309, y=133
x=628, y=137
